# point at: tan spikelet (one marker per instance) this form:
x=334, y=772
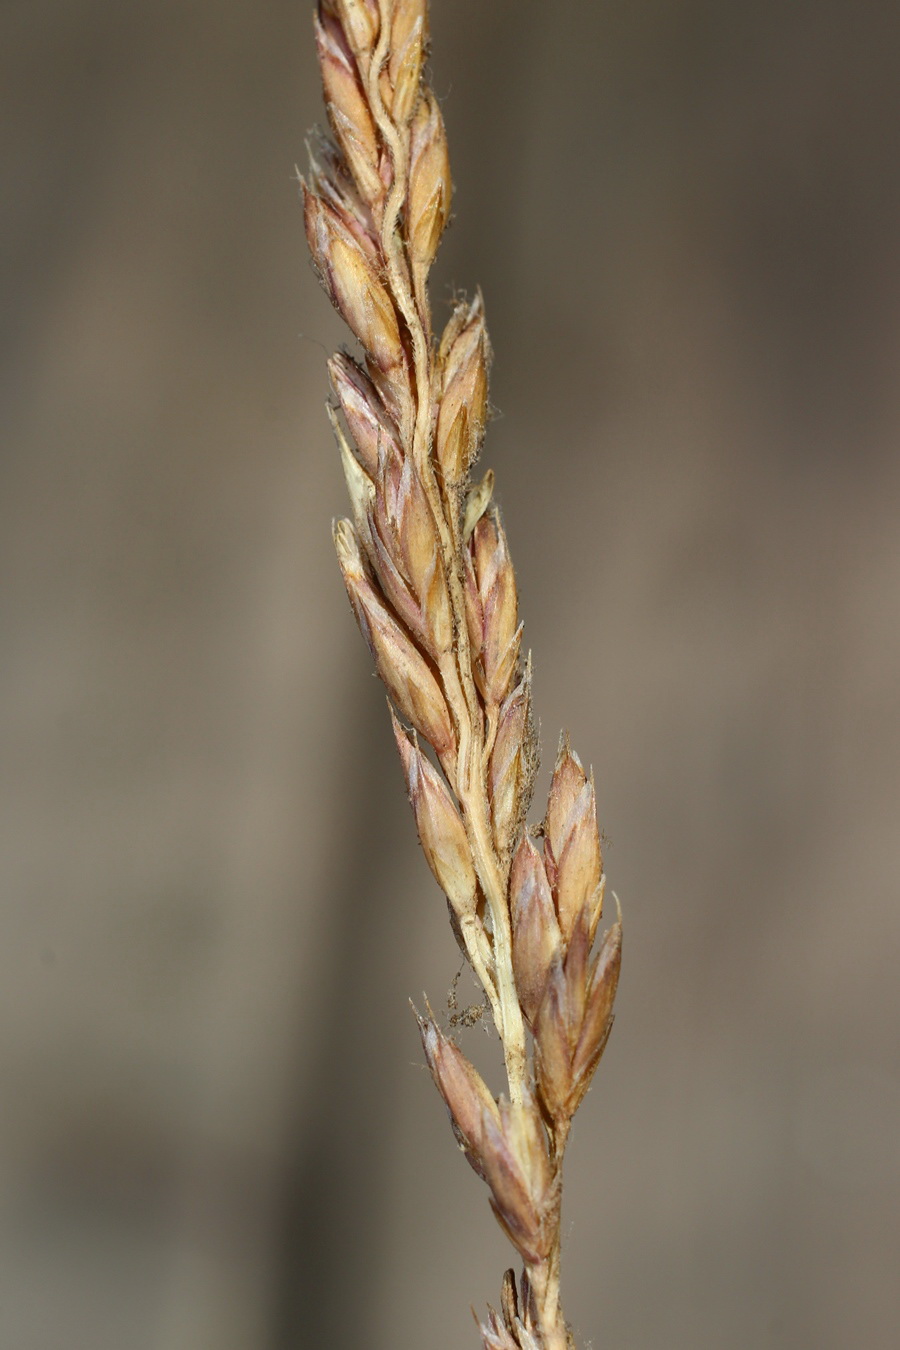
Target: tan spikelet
x=464, y=1091
x=428, y=203
x=537, y=941
x=405, y=553
x=409, y=679
x=463, y=363
x=574, y=862
x=519, y=1172
x=499, y=606
x=329, y=181
x=347, y=108
x=513, y=765
x=441, y=831
x=371, y=426
x=409, y=32
x=354, y=286
x=574, y=1020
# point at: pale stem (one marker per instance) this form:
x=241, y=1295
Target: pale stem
x=512, y=1031
x=545, y=1276
x=472, y=796
x=545, y=1283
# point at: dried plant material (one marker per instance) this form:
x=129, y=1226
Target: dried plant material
x=441, y=830
x=495, y=1335
x=462, y=367
x=463, y=1089
x=513, y=764
x=412, y=686
x=371, y=428
x=431, y=581
x=428, y=203
x=574, y=1021
x=537, y=940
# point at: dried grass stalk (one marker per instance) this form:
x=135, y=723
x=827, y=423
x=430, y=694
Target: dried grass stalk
x=429, y=575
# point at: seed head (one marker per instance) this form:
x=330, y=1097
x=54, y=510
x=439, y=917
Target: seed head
x=427, y=569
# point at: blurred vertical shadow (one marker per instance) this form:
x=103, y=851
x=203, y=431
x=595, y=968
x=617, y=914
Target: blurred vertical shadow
x=328, y=1229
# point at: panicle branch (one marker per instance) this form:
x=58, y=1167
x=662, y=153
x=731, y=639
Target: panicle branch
x=429, y=575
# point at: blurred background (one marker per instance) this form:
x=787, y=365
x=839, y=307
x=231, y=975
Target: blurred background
x=216, y=1131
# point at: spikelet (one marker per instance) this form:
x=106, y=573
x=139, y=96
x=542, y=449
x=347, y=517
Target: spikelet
x=354, y=286
x=464, y=1091
x=572, y=841
x=505, y=1143
x=372, y=430
x=347, y=107
x=409, y=679
x=428, y=198
x=574, y=1021
x=523, y=1182
x=406, y=52
x=441, y=831
x=537, y=941
x=463, y=363
x=427, y=567
x=513, y=764
x=496, y=588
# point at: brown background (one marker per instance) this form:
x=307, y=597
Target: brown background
x=216, y=1132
